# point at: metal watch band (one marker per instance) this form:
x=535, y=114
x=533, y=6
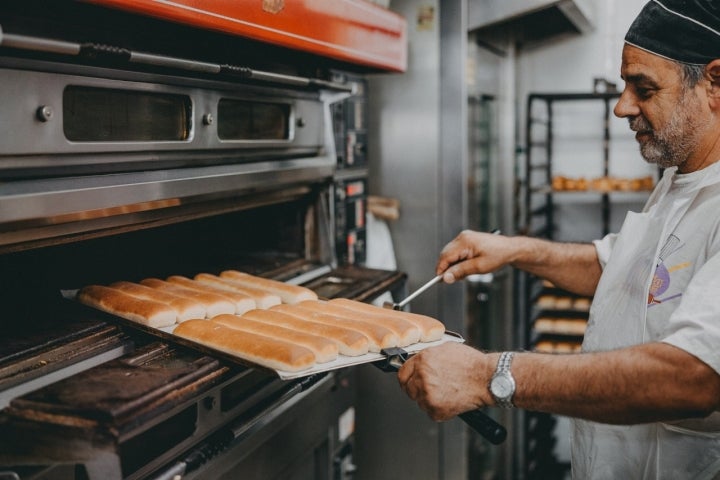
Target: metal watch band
x=503, y=368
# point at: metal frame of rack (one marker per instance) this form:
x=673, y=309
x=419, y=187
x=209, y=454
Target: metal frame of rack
x=531, y=164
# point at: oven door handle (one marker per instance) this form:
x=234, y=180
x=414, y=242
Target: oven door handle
x=230, y=436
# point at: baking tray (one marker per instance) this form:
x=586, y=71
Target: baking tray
x=342, y=361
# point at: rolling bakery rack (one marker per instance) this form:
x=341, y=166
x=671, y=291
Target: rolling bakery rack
x=553, y=320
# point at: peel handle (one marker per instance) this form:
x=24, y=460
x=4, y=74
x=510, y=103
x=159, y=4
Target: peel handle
x=485, y=426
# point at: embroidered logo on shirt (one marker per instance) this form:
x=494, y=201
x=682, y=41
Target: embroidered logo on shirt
x=661, y=279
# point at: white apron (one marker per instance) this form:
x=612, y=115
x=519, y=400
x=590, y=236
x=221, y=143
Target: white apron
x=618, y=319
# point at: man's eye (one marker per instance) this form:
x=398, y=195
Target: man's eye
x=643, y=92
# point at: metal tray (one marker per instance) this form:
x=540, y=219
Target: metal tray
x=342, y=361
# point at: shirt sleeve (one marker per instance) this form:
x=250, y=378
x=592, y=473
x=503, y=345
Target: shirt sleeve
x=695, y=325
x=604, y=247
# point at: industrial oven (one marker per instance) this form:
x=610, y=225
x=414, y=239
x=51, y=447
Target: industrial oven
x=153, y=138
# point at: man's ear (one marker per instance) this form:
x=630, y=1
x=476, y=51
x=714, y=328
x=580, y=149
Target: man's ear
x=712, y=73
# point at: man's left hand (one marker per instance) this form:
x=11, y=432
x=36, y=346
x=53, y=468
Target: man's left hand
x=448, y=380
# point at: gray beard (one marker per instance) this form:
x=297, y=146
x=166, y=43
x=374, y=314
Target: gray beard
x=672, y=145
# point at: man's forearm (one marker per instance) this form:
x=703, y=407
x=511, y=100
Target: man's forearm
x=651, y=382
x=570, y=266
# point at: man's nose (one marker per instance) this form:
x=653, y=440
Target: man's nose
x=626, y=106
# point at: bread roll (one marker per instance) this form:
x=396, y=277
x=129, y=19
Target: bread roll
x=544, y=325
x=349, y=342
x=288, y=293
x=213, y=304
x=563, y=303
x=258, y=349
x=243, y=303
x=111, y=300
x=262, y=298
x=325, y=350
x=571, y=326
x=406, y=332
x=581, y=303
x=186, y=308
x=430, y=328
x=546, y=301
x=379, y=337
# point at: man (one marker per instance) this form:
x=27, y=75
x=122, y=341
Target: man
x=645, y=391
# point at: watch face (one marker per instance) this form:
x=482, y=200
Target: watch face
x=502, y=386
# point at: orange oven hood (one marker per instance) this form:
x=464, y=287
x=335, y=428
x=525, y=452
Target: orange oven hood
x=354, y=31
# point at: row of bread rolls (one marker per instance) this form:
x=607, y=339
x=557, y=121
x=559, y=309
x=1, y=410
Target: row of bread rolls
x=549, y=346
x=266, y=322
x=562, y=302
x=602, y=184
x=162, y=303
x=560, y=326
x=325, y=329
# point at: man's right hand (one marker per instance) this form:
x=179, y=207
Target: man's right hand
x=473, y=252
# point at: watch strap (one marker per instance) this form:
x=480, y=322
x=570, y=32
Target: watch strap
x=503, y=368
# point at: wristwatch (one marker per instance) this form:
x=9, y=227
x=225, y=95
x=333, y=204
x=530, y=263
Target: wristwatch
x=502, y=383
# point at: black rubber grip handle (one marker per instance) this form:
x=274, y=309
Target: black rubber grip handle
x=485, y=426
x=476, y=419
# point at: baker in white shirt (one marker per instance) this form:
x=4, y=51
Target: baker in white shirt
x=645, y=391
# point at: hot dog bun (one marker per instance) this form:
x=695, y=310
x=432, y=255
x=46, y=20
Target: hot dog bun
x=430, y=328
x=214, y=304
x=243, y=303
x=288, y=293
x=379, y=337
x=325, y=350
x=252, y=347
x=111, y=300
x=349, y=342
x=406, y=331
x=262, y=298
x=186, y=308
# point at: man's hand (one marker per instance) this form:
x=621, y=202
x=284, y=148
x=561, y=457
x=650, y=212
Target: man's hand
x=473, y=252
x=448, y=380
x=571, y=266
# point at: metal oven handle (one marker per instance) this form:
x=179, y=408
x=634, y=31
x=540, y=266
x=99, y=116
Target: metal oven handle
x=91, y=50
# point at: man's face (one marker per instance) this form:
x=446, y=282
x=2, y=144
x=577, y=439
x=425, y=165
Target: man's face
x=668, y=117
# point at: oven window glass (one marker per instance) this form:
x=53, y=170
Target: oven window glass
x=246, y=120
x=109, y=115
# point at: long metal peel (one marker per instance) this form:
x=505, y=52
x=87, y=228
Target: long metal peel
x=409, y=298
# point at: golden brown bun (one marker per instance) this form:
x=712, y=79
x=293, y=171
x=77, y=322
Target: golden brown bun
x=546, y=301
x=186, y=308
x=325, y=350
x=288, y=293
x=214, y=304
x=111, y=300
x=262, y=298
x=582, y=303
x=252, y=347
x=545, y=346
x=379, y=337
x=350, y=342
x=544, y=325
x=430, y=328
x=571, y=326
x=563, y=303
x=243, y=303
x=406, y=332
